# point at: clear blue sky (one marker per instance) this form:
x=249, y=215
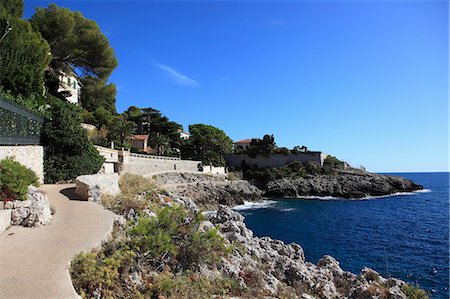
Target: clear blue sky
x=364, y=81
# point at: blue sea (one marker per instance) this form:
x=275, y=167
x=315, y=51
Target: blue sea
x=404, y=236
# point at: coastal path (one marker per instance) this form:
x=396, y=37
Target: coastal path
x=34, y=262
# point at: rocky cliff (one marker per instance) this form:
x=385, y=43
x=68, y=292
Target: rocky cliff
x=209, y=191
x=344, y=185
x=277, y=267
x=165, y=249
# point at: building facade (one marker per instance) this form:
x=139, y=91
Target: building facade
x=69, y=82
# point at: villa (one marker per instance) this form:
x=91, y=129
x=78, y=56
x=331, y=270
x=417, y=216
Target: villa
x=140, y=142
x=242, y=145
x=70, y=82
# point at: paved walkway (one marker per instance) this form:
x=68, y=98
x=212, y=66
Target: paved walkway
x=34, y=261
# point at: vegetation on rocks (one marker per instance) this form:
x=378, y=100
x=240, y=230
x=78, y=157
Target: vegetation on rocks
x=136, y=193
x=163, y=252
x=15, y=179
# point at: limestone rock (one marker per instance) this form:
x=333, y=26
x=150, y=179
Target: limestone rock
x=344, y=185
x=91, y=187
x=33, y=212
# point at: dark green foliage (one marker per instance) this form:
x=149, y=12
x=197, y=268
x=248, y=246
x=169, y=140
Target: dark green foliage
x=12, y=8
x=331, y=164
x=35, y=103
x=24, y=55
x=293, y=170
x=68, y=153
x=96, y=93
x=282, y=151
x=164, y=135
x=312, y=168
x=75, y=41
x=264, y=147
x=207, y=144
x=121, y=129
x=161, y=143
x=15, y=179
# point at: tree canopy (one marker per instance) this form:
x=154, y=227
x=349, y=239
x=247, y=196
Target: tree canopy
x=97, y=93
x=13, y=8
x=24, y=55
x=75, y=41
x=208, y=144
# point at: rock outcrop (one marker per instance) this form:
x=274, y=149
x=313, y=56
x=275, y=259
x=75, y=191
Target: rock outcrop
x=271, y=264
x=91, y=187
x=343, y=185
x=33, y=212
x=208, y=195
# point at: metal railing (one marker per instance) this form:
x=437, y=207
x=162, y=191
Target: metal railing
x=17, y=125
x=154, y=157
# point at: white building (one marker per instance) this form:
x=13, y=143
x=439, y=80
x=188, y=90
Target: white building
x=184, y=135
x=70, y=82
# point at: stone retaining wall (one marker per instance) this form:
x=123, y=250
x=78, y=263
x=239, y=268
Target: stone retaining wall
x=31, y=156
x=145, y=165
x=275, y=160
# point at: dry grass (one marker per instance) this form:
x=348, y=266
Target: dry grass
x=136, y=192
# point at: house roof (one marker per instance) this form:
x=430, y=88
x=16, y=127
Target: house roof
x=244, y=141
x=139, y=137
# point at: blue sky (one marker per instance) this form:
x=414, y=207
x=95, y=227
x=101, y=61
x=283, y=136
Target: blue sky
x=365, y=81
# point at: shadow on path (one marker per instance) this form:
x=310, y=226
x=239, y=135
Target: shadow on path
x=70, y=194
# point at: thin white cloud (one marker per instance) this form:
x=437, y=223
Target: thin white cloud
x=178, y=77
x=275, y=22
x=224, y=78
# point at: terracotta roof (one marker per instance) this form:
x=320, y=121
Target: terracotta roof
x=244, y=141
x=139, y=137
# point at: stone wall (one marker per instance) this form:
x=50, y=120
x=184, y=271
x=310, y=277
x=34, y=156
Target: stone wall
x=31, y=156
x=214, y=170
x=275, y=160
x=144, y=164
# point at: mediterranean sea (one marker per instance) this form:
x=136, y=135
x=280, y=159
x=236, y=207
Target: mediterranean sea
x=404, y=236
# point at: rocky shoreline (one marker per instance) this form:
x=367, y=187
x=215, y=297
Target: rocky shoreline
x=350, y=185
x=254, y=267
x=208, y=192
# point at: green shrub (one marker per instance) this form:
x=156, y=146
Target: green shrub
x=331, y=164
x=15, y=179
x=136, y=192
x=69, y=153
x=95, y=270
x=173, y=232
x=169, y=241
x=312, y=168
x=414, y=292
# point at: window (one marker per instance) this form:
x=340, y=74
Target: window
x=75, y=84
x=68, y=81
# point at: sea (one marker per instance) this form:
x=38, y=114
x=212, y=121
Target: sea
x=404, y=235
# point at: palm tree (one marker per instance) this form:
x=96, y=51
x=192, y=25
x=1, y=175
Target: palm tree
x=121, y=129
x=161, y=143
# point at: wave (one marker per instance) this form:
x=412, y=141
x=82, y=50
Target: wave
x=366, y=197
x=249, y=205
x=287, y=210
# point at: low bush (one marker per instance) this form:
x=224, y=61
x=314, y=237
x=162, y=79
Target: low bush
x=414, y=292
x=136, y=192
x=15, y=179
x=165, y=244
